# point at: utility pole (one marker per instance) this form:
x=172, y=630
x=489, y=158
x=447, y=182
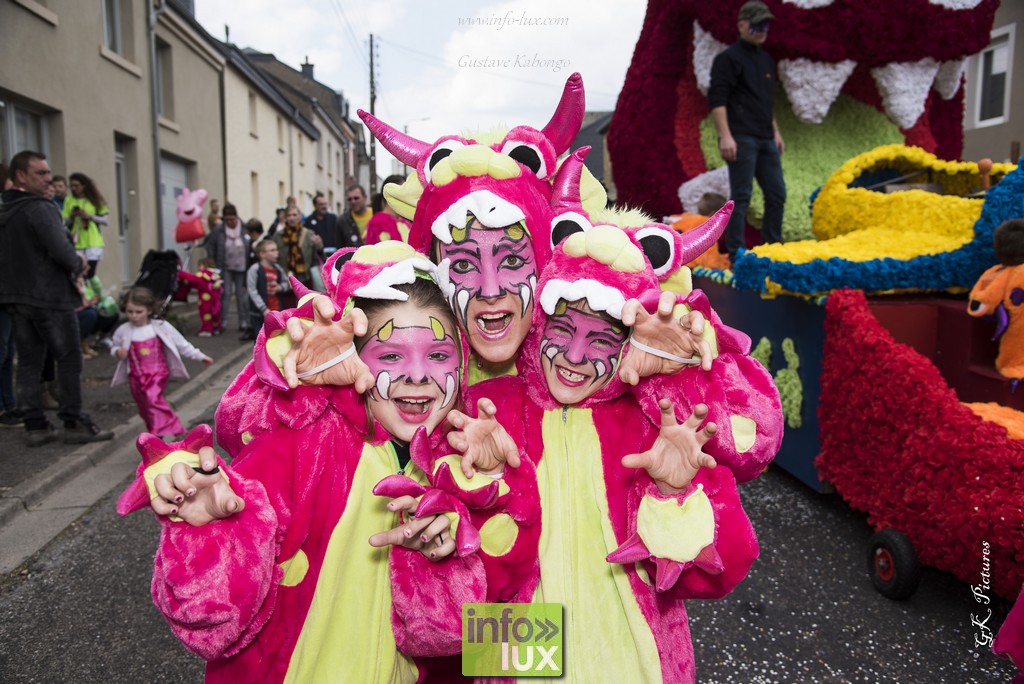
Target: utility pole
x=373, y=111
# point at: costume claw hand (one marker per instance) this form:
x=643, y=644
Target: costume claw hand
x=196, y=497
x=677, y=454
x=680, y=337
x=483, y=442
x=430, y=535
x=325, y=340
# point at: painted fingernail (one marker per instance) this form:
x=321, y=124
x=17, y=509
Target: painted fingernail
x=178, y=499
x=190, y=492
x=423, y=538
x=432, y=555
x=174, y=511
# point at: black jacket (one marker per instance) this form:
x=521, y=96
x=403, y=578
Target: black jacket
x=743, y=81
x=38, y=261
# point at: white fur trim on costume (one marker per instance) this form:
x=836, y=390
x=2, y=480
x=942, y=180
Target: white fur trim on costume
x=600, y=297
x=399, y=273
x=489, y=209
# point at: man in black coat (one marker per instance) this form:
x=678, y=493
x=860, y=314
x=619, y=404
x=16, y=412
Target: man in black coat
x=38, y=269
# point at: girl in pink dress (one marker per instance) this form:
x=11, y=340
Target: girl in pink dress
x=149, y=352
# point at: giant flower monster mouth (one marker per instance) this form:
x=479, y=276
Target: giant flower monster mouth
x=909, y=47
x=839, y=61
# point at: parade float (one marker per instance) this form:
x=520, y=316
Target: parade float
x=889, y=385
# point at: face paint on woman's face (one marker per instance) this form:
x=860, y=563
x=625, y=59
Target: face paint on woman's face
x=494, y=273
x=415, y=361
x=579, y=353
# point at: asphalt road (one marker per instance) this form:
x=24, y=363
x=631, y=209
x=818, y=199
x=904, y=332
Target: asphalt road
x=80, y=609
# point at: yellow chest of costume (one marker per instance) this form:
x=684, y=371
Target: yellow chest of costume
x=347, y=635
x=606, y=637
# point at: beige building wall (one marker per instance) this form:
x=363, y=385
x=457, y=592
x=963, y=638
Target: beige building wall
x=266, y=151
x=57, y=65
x=995, y=141
x=192, y=125
x=329, y=167
x=96, y=107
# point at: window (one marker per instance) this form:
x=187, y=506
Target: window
x=255, y=180
x=301, y=144
x=337, y=163
x=280, y=135
x=280, y=194
x=21, y=129
x=330, y=169
x=117, y=28
x=164, y=81
x=320, y=152
x=253, y=131
x=994, y=78
x=112, y=26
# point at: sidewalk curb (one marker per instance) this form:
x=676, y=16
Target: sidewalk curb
x=37, y=488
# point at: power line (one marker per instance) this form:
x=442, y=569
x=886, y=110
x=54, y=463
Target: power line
x=351, y=34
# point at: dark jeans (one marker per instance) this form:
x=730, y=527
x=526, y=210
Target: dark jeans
x=36, y=331
x=755, y=158
x=7, y=350
x=90, y=322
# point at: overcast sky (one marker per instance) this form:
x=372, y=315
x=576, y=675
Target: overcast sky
x=448, y=66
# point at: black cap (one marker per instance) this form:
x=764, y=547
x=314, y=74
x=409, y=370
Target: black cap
x=755, y=12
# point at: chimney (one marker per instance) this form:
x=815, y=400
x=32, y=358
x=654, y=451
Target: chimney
x=307, y=69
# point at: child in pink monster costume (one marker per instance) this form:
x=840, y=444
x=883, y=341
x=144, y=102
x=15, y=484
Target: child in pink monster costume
x=263, y=567
x=149, y=351
x=209, y=286
x=636, y=514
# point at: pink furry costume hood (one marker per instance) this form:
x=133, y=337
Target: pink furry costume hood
x=500, y=184
x=368, y=272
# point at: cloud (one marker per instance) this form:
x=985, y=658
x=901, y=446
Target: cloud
x=431, y=73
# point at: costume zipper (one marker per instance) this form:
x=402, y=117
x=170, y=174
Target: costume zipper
x=570, y=486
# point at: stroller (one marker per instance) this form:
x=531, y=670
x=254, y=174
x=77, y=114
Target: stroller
x=159, y=274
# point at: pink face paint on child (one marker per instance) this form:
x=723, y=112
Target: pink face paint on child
x=494, y=272
x=579, y=353
x=417, y=370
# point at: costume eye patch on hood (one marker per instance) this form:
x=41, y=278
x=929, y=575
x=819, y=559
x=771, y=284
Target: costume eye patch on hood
x=659, y=246
x=566, y=224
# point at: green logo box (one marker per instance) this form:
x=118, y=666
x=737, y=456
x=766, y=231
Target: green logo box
x=512, y=639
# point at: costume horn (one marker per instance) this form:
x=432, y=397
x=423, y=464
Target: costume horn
x=565, y=188
x=568, y=117
x=701, y=238
x=406, y=149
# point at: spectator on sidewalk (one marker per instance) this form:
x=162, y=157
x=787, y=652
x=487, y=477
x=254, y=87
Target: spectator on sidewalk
x=10, y=416
x=254, y=227
x=85, y=213
x=297, y=248
x=324, y=224
x=266, y=281
x=38, y=265
x=352, y=224
x=60, y=191
x=228, y=246
x=97, y=316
